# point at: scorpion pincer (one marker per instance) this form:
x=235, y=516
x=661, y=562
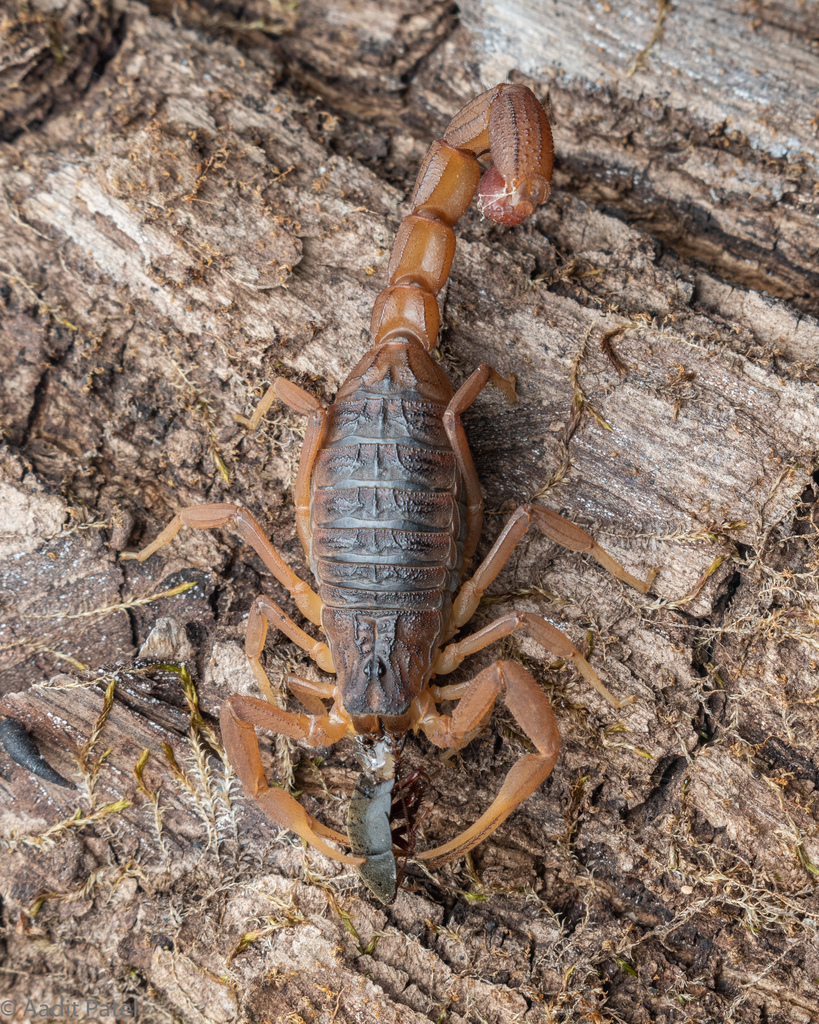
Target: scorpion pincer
x=389, y=511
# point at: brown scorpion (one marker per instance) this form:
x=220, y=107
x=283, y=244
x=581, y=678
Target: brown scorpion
x=389, y=511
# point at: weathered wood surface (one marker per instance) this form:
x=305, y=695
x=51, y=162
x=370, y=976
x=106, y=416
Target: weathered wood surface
x=193, y=202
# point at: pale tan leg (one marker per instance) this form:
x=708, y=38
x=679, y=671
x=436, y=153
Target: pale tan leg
x=461, y=400
x=310, y=693
x=303, y=402
x=264, y=610
x=286, y=391
x=239, y=718
x=532, y=711
x=262, y=409
x=542, y=631
x=210, y=517
x=452, y=692
x=300, y=401
x=558, y=529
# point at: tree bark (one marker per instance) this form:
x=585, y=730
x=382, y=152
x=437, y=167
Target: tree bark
x=197, y=197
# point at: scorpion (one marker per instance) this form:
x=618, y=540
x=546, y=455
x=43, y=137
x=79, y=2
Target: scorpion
x=389, y=511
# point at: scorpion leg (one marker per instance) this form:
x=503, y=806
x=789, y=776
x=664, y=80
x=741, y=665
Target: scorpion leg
x=209, y=517
x=542, y=631
x=239, y=718
x=300, y=401
x=264, y=610
x=556, y=528
x=532, y=711
x=309, y=692
x=463, y=398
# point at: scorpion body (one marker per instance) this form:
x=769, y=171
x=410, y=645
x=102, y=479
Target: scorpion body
x=389, y=526
x=389, y=511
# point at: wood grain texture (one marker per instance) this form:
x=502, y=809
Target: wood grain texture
x=210, y=203
x=706, y=134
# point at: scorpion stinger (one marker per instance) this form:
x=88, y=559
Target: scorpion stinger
x=389, y=511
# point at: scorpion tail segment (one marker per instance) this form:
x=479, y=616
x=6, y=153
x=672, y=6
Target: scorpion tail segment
x=509, y=122
x=446, y=182
x=370, y=835
x=20, y=746
x=509, y=202
x=404, y=309
x=520, y=138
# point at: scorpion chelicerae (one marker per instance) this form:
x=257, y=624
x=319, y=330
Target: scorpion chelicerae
x=389, y=511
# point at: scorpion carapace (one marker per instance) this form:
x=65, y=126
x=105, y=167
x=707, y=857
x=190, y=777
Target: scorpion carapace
x=389, y=511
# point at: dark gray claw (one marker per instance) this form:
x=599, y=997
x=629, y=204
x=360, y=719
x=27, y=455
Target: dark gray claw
x=20, y=746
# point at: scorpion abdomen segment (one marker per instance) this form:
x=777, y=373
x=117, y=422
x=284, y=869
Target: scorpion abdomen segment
x=408, y=467
x=389, y=507
x=379, y=576
x=374, y=418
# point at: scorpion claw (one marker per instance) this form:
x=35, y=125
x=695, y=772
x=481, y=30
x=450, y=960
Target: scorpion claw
x=19, y=744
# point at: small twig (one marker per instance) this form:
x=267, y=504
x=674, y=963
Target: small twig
x=640, y=62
